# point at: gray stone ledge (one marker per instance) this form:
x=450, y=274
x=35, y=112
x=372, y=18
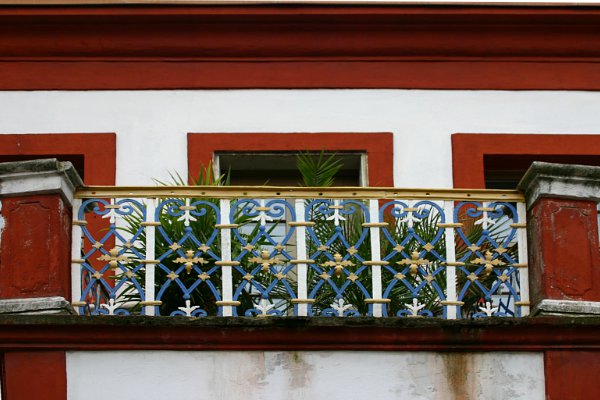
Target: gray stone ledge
x=35, y=177
x=569, y=308
x=568, y=181
x=300, y=323
x=37, y=305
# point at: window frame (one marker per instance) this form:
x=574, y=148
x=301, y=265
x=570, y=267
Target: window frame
x=378, y=148
x=469, y=150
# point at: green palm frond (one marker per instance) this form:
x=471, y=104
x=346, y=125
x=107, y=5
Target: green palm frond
x=318, y=170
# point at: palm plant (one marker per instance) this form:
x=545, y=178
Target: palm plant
x=177, y=241
x=339, y=251
x=403, y=279
x=321, y=172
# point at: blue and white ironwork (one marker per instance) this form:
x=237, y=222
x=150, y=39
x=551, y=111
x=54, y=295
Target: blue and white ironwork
x=198, y=252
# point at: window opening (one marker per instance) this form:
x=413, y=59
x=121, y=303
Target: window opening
x=279, y=169
x=504, y=171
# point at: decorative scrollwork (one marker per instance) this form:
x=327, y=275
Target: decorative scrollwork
x=198, y=257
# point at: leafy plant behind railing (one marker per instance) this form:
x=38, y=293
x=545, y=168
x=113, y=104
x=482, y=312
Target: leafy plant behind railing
x=321, y=172
x=316, y=171
x=202, y=229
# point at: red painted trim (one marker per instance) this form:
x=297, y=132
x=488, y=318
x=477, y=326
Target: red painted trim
x=468, y=151
x=378, y=146
x=142, y=333
x=35, y=251
x=556, y=227
x=497, y=75
x=34, y=375
x=568, y=374
x=299, y=46
x=98, y=150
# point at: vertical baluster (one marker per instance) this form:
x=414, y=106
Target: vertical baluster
x=226, y=273
x=451, y=301
x=522, y=252
x=301, y=256
x=375, y=258
x=150, y=226
x=76, y=254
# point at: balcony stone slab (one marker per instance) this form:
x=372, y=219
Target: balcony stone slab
x=38, y=305
x=565, y=181
x=36, y=177
x=567, y=307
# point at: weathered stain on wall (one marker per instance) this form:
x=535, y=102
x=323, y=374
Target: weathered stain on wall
x=458, y=370
x=302, y=375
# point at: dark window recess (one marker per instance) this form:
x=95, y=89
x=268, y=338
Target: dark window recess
x=279, y=169
x=505, y=171
x=75, y=159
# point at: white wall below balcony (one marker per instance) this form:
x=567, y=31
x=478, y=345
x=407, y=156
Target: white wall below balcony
x=160, y=375
x=151, y=126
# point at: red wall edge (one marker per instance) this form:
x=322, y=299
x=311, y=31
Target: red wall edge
x=571, y=374
x=29, y=375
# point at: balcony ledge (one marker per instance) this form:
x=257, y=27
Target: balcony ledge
x=297, y=333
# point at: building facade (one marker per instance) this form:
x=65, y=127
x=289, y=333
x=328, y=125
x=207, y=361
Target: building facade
x=454, y=96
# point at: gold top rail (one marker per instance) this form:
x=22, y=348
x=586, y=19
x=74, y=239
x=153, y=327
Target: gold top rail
x=286, y=192
x=531, y=3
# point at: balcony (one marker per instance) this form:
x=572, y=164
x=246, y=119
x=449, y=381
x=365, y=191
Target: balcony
x=294, y=272
x=283, y=251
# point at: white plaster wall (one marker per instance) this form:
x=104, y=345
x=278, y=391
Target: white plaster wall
x=151, y=126
x=160, y=375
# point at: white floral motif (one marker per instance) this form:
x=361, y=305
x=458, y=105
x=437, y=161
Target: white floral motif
x=264, y=307
x=484, y=221
x=336, y=217
x=187, y=309
x=187, y=216
x=410, y=219
x=414, y=308
x=262, y=216
x=488, y=309
x=112, y=211
x=340, y=307
x=110, y=307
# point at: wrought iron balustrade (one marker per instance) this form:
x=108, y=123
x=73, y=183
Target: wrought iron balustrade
x=261, y=251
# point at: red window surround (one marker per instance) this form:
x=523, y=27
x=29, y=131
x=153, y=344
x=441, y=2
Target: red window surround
x=469, y=150
x=377, y=146
x=98, y=151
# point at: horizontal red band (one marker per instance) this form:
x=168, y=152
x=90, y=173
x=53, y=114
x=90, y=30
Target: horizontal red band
x=243, y=75
x=142, y=333
x=175, y=47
